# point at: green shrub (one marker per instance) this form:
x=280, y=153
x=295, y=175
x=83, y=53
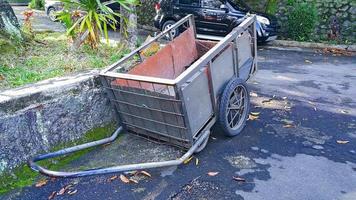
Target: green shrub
x=272, y=7
x=37, y=4
x=302, y=21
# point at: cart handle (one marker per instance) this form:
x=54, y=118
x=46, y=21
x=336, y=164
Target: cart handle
x=120, y=168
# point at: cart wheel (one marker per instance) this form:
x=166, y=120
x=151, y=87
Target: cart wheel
x=203, y=145
x=234, y=107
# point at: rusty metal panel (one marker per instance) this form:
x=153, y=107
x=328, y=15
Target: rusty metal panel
x=197, y=101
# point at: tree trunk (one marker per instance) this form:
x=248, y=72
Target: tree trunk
x=8, y=20
x=128, y=30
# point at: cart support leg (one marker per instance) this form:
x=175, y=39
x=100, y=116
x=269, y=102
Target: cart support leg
x=121, y=168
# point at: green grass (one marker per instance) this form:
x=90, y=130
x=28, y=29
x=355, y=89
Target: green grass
x=36, y=61
x=23, y=176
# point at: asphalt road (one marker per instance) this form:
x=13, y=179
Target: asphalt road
x=314, y=92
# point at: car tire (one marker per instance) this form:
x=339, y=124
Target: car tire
x=51, y=14
x=167, y=24
x=234, y=102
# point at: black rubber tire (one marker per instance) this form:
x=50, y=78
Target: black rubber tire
x=225, y=103
x=52, y=18
x=167, y=23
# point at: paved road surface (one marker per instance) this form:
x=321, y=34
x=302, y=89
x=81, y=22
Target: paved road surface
x=304, y=162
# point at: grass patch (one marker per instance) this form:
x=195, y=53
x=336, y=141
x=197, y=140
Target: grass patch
x=50, y=58
x=23, y=176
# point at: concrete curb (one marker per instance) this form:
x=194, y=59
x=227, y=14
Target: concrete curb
x=287, y=43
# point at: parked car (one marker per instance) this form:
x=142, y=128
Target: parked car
x=53, y=6
x=213, y=17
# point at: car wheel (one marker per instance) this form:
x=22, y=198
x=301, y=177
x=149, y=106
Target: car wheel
x=52, y=14
x=168, y=24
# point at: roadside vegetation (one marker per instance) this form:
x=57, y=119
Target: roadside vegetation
x=30, y=57
x=48, y=56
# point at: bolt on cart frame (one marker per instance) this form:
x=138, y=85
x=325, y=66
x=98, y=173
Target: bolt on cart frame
x=177, y=94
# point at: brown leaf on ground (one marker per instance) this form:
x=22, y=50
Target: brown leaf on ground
x=240, y=179
x=213, y=173
x=188, y=160
x=252, y=117
x=267, y=100
x=124, y=179
x=145, y=173
x=308, y=61
x=255, y=113
x=112, y=178
x=342, y=141
x=2, y=77
x=253, y=94
x=64, y=189
x=288, y=126
x=61, y=191
x=344, y=111
x=41, y=183
x=72, y=192
x=312, y=103
x=53, y=194
x=133, y=180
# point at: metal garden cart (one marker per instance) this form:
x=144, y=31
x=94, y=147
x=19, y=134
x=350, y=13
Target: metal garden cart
x=177, y=94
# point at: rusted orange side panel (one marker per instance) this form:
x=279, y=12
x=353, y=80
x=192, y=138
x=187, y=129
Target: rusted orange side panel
x=169, y=62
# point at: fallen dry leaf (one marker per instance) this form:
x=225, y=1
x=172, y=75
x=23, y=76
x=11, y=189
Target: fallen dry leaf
x=53, y=194
x=188, y=160
x=312, y=103
x=252, y=117
x=41, y=183
x=72, y=192
x=289, y=126
x=2, y=77
x=64, y=189
x=133, y=180
x=196, y=161
x=61, y=191
x=145, y=173
x=240, y=179
x=113, y=178
x=132, y=173
x=342, y=141
x=255, y=113
x=213, y=173
x=344, y=111
x=124, y=179
x=287, y=107
x=267, y=100
x=253, y=94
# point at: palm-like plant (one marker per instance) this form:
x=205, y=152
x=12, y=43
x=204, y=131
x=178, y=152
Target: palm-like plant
x=91, y=19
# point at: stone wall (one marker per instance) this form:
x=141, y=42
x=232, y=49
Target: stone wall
x=35, y=118
x=343, y=10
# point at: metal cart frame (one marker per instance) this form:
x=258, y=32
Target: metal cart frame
x=189, y=123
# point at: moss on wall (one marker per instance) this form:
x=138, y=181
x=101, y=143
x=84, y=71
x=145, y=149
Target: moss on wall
x=23, y=176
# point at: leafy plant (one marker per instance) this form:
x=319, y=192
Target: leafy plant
x=91, y=19
x=36, y=4
x=302, y=21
